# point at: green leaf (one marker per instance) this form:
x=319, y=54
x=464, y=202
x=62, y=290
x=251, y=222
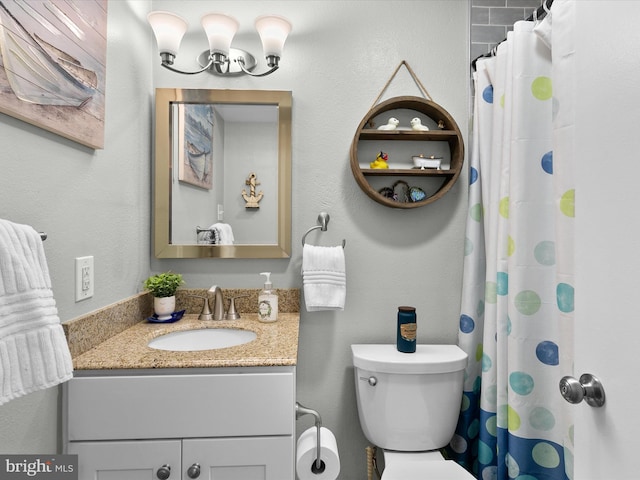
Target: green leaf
x=163, y=284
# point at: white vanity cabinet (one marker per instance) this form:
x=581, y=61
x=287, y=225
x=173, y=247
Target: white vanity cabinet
x=218, y=424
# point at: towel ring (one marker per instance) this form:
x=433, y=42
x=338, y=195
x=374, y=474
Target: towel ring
x=323, y=220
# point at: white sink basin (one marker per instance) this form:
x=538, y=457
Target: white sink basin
x=202, y=339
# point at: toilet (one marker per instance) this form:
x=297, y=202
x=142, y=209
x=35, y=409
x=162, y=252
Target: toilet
x=408, y=405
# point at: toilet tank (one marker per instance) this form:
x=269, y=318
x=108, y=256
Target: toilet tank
x=409, y=401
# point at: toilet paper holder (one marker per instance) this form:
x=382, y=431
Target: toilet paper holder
x=302, y=410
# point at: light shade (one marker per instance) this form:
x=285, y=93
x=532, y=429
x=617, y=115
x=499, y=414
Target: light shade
x=220, y=30
x=273, y=31
x=169, y=29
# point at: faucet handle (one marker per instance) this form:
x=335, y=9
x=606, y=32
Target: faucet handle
x=206, y=311
x=232, y=313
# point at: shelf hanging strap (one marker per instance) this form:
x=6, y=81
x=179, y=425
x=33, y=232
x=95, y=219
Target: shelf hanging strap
x=413, y=75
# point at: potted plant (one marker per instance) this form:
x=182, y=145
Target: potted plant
x=163, y=287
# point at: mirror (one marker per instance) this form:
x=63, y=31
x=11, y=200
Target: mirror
x=222, y=174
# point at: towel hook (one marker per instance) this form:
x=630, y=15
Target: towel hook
x=323, y=220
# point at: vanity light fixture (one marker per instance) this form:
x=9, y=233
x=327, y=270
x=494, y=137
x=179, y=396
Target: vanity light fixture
x=220, y=59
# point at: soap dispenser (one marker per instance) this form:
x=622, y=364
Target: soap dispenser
x=267, y=301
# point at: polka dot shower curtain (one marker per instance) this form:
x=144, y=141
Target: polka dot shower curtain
x=516, y=319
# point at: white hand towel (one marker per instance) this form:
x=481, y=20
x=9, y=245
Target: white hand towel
x=324, y=278
x=33, y=348
x=225, y=233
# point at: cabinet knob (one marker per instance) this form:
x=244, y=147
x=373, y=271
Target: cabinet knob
x=194, y=471
x=164, y=472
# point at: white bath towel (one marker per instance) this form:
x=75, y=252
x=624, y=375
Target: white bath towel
x=33, y=348
x=324, y=278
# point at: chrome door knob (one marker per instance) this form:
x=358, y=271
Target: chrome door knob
x=164, y=472
x=588, y=388
x=571, y=389
x=194, y=471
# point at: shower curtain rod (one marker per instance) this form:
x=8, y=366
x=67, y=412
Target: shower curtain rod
x=538, y=14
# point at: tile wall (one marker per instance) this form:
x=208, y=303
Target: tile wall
x=492, y=19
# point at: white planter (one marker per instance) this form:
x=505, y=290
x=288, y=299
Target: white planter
x=164, y=307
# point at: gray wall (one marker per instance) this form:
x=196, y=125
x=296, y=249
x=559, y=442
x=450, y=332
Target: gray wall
x=336, y=62
x=88, y=202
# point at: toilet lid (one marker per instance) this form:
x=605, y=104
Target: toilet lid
x=426, y=359
x=442, y=470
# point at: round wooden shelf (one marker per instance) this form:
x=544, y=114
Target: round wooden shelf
x=447, y=132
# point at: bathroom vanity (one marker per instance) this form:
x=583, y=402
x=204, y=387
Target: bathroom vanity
x=226, y=414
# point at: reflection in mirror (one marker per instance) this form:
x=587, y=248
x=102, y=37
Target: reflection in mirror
x=209, y=176
x=222, y=174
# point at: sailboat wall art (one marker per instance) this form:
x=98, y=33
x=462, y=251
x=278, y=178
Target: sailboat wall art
x=195, y=144
x=53, y=66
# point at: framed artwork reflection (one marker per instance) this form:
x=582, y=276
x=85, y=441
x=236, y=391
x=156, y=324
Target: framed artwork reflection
x=195, y=144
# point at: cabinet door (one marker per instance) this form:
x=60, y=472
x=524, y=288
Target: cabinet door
x=139, y=460
x=250, y=458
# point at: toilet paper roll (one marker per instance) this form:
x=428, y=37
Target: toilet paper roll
x=306, y=455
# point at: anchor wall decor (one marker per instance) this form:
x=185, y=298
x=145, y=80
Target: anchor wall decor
x=252, y=199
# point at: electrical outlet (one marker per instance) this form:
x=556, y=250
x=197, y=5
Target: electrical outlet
x=84, y=278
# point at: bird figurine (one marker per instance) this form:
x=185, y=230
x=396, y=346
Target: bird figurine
x=392, y=124
x=416, y=124
x=380, y=162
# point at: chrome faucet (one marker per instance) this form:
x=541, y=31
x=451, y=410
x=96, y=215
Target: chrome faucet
x=218, y=307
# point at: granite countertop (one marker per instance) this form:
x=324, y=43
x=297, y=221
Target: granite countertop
x=276, y=345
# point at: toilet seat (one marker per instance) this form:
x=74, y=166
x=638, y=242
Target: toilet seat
x=422, y=466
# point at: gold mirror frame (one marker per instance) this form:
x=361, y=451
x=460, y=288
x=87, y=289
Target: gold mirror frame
x=163, y=171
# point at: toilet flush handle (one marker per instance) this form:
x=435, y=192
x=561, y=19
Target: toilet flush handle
x=373, y=381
